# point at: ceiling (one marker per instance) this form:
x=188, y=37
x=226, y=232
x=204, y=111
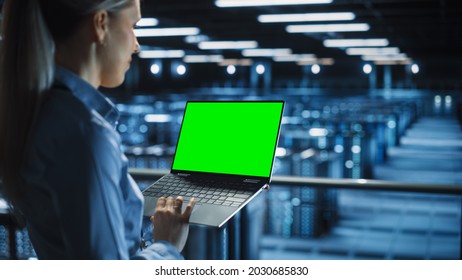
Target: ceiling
x=422, y=29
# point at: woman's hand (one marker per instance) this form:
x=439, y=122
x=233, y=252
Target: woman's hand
x=169, y=223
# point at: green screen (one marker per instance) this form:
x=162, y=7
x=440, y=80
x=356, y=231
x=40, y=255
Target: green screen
x=229, y=137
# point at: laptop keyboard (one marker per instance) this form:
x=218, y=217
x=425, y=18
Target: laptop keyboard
x=229, y=193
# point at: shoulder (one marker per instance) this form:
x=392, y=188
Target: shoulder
x=64, y=119
x=61, y=107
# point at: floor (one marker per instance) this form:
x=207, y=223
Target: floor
x=392, y=225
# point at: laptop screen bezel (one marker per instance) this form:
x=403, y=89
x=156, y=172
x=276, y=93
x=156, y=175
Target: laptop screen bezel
x=224, y=175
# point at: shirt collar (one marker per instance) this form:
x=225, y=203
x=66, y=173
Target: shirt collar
x=87, y=94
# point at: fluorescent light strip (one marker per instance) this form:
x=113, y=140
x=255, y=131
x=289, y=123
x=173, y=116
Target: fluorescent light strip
x=203, y=58
x=195, y=39
x=372, y=51
x=161, y=54
x=265, y=52
x=306, y=17
x=398, y=57
x=253, y=3
x=320, y=61
x=157, y=118
x=319, y=28
x=224, y=45
x=344, y=43
x=165, y=32
x=318, y=132
x=147, y=22
x=393, y=62
x=236, y=62
x=295, y=58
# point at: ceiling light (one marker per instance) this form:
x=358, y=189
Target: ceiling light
x=181, y=70
x=165, y=32
x=157, y=118
x=280, y=152
x=372, y=51
x=308, y=153
x=295, y=57
x=155, y=68
x=344, y=43
x=318, y=132
x=320, y=61
x=400, y=59
x=367, y=69
x=147, y=22
x=161, y=54
x=306, y=17
x=315, y=69
x=393, y=62
x=195, y=39
x=203, y=58
x=260, y=69
x=237, y=62
x=222, y=45
x=265, y=52
x=231, y=69
x=253, y=3
x=319, y=28
x=397, y=57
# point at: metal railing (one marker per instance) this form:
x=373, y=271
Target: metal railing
x=359, y=184
x=355, y=184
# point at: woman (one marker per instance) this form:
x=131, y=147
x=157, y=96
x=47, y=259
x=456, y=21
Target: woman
x=61, y=160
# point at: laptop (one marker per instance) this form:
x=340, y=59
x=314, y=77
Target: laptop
x=223, y=158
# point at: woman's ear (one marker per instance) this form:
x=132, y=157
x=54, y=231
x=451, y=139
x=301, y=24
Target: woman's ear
x=100, y=25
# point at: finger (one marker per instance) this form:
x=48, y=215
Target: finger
x=178, y=204
x=169, y=204
x=161, y=202
x=188, y=210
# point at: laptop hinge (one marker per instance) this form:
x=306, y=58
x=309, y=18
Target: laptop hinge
x=183, y=174
x=253, y=181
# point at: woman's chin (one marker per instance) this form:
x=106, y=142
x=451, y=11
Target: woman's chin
x=113, y=83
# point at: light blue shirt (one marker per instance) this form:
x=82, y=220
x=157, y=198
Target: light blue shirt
x=80, y=201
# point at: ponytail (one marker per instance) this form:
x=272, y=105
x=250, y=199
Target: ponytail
x=26, y=72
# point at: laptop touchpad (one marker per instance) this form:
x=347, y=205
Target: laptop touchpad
x=150, y=206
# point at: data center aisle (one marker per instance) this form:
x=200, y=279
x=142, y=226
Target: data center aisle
x=392, y=225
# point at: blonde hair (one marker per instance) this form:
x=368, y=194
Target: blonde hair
x=30, y=29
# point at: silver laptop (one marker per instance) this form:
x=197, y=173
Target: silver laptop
x=224, y=158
